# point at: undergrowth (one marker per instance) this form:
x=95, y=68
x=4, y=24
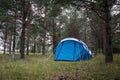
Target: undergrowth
x=38, y=67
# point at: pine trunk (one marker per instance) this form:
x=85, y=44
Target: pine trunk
x=34, y=48
x=44, y=33
x=54, y=37
x=28, y=37
x=14, y=36
x=108, y=38
x=10, y=43
x=28, y=40
x=22, y=46
x=28, y=28
x=5, y=43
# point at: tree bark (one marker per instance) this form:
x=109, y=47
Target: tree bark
x=44, y=33
x=28, y=38
x=54, y=37
x=108, y=39
x=10, y=43
x=28, y=29
x=14, y=36
x=22, y=46
x=34, y=47
x=5, y=43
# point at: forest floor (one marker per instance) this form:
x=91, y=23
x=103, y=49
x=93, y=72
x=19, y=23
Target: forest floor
x=38, y=67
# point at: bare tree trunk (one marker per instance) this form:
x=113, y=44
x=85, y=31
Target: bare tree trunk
x=22, y=46
x=43, y=45
x=34, y=47
x=28, y=29
x=14, y=35
x=44, y=34
x=5, y=43
x=28, y=38
x=54, y=37
x=94, y=37
x=104, y=39
x=108, y=38
x=10, y=44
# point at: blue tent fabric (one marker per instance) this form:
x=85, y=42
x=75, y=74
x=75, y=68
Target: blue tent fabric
x=71, y=49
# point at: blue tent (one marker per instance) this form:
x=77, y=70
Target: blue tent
x=71, y=49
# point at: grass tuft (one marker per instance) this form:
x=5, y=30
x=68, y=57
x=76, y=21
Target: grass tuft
x=38, y=67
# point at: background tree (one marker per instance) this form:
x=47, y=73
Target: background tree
x=116, y=31
x=28, y=26
x=102, y=9
x=44, y=23
x=25, y=8
x=5, y=17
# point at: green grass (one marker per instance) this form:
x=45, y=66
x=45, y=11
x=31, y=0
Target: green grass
x=38, y=67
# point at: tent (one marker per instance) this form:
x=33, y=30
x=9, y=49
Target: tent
x=71, y=49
